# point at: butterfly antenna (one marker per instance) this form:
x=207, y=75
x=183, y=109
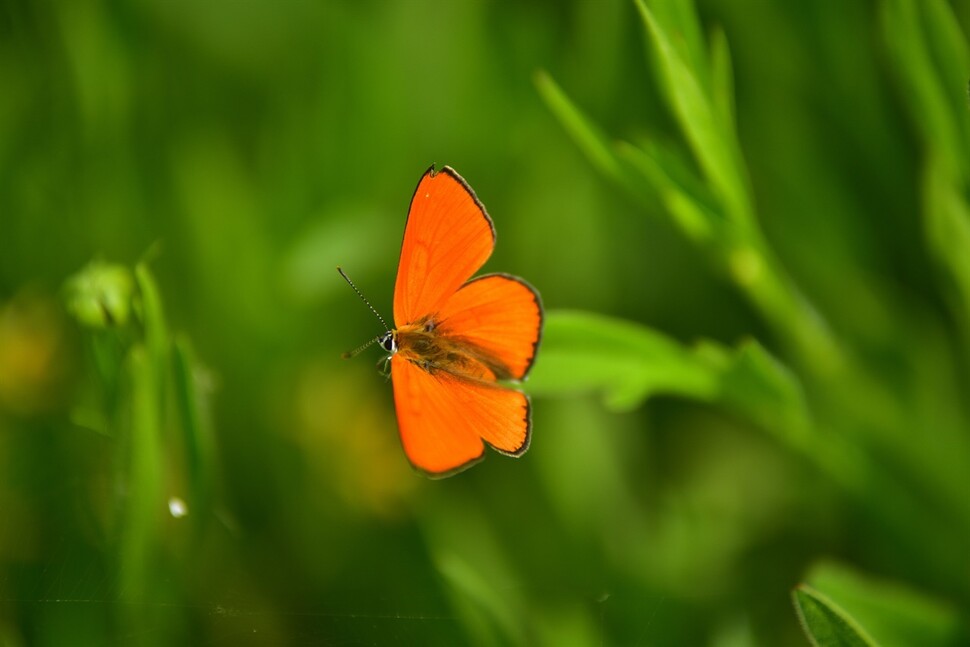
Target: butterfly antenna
x=356, y=351
x=364, y=299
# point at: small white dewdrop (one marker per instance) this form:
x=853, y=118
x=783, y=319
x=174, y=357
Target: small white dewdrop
x=177, y=507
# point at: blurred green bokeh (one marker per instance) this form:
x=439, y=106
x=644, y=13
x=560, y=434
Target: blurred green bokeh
x=178, y=181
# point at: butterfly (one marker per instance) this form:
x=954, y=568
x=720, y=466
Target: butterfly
x=455, y=337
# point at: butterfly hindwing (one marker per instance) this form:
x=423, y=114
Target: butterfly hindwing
x=500, y=314
x=443, y=418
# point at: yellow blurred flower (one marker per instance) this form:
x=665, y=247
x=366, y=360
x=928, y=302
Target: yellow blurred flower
x=33, y=357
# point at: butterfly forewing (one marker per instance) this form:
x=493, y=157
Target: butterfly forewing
x=447, y=238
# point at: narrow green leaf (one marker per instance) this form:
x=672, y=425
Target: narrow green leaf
x=679, y=19
x=485, y=598
x=143, y=503
x=157, y=341
x=947, y=224
x=627, y=363
x=682, y=193
x=762, y=389
x=950, y=52
x=199, y=443
x=589, y=138
x=892, y=614
x=594, y=144
x=922, y=88
x=825, y=624
x=708, y=137
x=722, y=73
x=484, y=609
x=153, y=319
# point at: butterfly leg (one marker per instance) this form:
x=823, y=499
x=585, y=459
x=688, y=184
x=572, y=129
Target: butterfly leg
x=383, y=367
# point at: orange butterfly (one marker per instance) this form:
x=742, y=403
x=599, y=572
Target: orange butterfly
x=455, y=337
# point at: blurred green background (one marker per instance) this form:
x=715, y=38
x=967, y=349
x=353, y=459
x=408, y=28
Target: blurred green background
x=178, y=181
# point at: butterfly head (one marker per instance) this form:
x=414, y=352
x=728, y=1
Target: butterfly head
x=388, y=342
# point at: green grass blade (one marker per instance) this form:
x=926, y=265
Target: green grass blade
x=143, y=504
x=722, y=73
x=947, y=226
x=950, y=53
x=485, y=611
x=197, y=436
x=153, y=318
x=931, y=57
x=485, y=598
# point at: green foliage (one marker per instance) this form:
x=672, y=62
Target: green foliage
x=100, y=295
x=932, y=57
x=757, y=341
x=715, y=211
x=891, y=614
x=156, y=380
x=710, y=136
x=627, y=364
x=826, y=624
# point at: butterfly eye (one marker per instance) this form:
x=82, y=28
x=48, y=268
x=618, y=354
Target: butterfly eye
x=388, y=342
x=428, y=325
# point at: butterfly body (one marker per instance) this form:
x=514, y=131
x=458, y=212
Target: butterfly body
x=456, y=339
x=435, y=348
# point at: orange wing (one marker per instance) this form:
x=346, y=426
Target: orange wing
x=500, y=314
x=448, y=236
x=444, y=418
